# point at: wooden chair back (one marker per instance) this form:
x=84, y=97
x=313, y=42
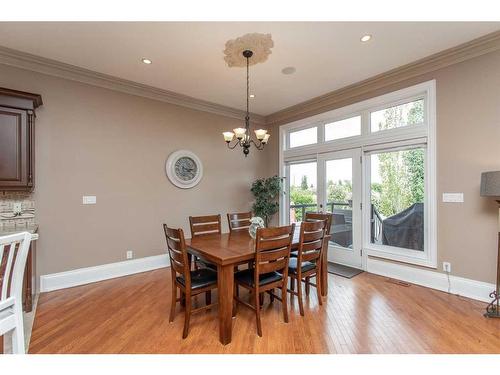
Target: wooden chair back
x=177, y=252
x=326, y=216
x=239, y=221
x=13, y=255
x=201, y=225
x=312, y=235
x=272, y=250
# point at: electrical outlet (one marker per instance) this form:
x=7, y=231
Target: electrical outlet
x=17, y=208
x=447, y=267
x=130, y=254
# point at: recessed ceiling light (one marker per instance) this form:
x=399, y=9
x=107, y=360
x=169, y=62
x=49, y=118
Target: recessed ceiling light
x=146, y=61
x=252, y=96
x=288, y=70
x=366, y=38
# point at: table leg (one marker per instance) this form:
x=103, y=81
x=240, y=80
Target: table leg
x=225, y=284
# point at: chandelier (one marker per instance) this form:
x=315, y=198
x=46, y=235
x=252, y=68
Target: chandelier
x=242, y=136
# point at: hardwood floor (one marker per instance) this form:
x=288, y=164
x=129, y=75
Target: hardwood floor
x=366, y=314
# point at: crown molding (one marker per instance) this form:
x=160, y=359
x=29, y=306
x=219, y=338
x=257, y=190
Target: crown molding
x=352, y=93
x=59, y=69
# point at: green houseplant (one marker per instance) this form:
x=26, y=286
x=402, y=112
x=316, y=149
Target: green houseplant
x=266, y=192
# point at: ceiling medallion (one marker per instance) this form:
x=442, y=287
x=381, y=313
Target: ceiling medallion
x=244, y=49
x=259, y=44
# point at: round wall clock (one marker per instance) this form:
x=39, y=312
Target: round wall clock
x=184, y=169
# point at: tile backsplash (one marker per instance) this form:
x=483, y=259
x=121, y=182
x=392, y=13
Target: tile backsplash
x=7, y=217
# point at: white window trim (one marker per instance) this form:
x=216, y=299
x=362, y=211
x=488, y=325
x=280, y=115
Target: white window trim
x=368, y=141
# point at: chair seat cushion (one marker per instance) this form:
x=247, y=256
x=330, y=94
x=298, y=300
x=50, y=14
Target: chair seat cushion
x=247, y=277
x=208, y=265
x=306, y=266
x=205, y=263
x=200, y=278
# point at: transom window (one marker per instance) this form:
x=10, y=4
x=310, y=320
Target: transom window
x=411, y=113
x=348, y=127
x=303, y=137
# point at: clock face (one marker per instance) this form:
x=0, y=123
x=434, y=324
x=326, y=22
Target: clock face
x=184, y=169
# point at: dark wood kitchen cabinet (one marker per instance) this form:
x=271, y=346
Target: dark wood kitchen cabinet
x=17, y=139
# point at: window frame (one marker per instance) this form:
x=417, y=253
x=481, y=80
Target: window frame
x=422, y=258
x=368, y=142
x=285, y=207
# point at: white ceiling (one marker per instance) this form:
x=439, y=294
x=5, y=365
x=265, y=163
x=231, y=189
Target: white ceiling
x=188, y=57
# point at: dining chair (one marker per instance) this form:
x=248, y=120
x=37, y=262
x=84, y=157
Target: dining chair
x=308, y=262
x=190, y=283
x=239, y=221
x=13, y=254
x=272, y=253
x=203, y=225
x=315, y=216
x=327, y=216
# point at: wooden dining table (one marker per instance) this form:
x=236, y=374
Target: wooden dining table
x=226, y=251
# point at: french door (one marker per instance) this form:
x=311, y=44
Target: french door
x=339, y=192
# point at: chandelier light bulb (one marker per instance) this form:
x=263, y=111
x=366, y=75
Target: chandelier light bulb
x=228, y=136
x=266, y=138
x=239, y=132
x=260, y=134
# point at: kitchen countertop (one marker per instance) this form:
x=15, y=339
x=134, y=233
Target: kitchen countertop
x=33, y=229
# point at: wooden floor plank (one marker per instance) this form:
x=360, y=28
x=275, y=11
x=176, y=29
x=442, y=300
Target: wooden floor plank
x=365, y=314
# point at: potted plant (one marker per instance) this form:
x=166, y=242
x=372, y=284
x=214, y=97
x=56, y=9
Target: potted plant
x=266, y=192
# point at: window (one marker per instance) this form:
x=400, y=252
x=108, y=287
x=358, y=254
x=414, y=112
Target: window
x=302, y=190
x=397, y=192
x=304, y=137
x=411, y=113
x=393, y=136
x=339, y=200
x=342, y=129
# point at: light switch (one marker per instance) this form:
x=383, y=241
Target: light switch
x=89, y=199
x=453, y=197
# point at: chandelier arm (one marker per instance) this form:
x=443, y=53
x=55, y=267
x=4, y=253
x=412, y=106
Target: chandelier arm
x=233, y=146
x=259, y=146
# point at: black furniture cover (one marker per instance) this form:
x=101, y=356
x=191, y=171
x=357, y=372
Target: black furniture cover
x=405, y=229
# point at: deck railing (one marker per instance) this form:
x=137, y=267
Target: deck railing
x=299, y=210
x=303, y=208
x=376, y=226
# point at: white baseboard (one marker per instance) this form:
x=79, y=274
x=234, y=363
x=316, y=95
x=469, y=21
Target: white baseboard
x=88, y=275
x=474, y=289
x=477, y=290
